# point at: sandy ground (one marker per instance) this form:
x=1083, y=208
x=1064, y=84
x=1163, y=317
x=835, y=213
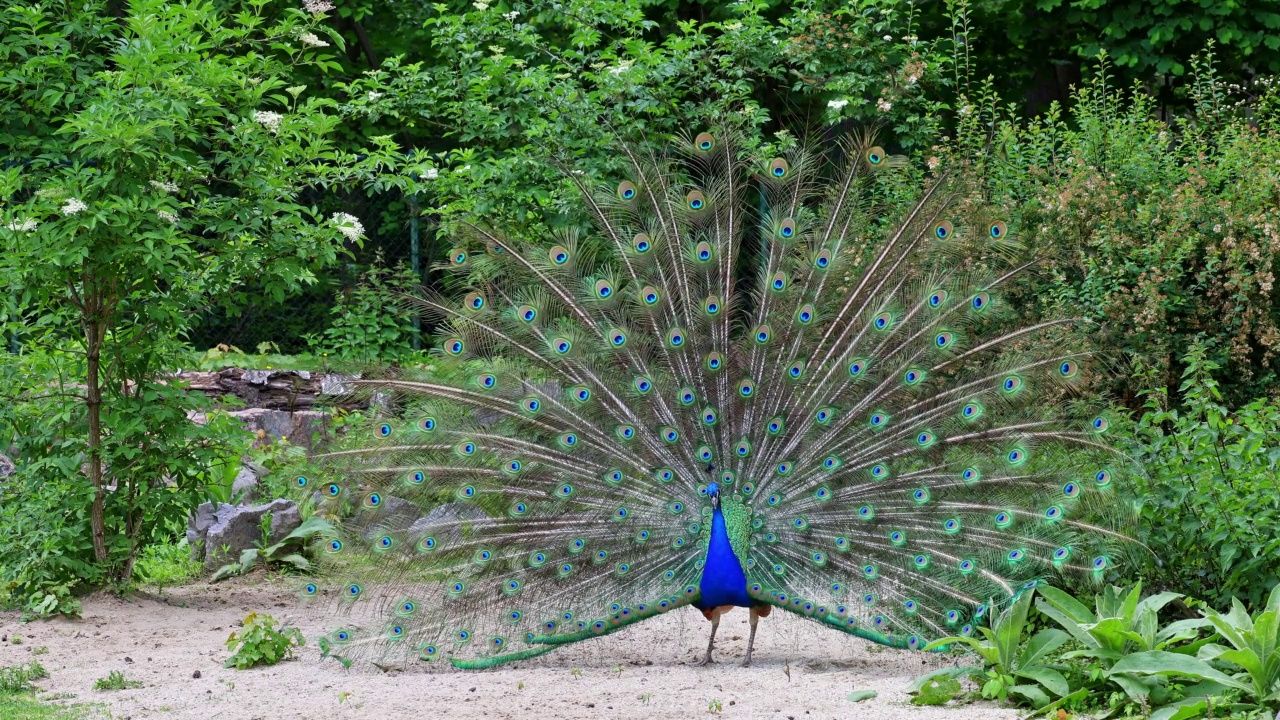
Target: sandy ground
x=800, y=670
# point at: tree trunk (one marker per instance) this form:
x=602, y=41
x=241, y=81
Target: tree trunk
x=94, y=331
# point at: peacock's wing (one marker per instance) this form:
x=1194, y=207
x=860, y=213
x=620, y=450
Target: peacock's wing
x=889, y=446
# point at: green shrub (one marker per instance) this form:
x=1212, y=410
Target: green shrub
x=260, y=642
x=1208, y=491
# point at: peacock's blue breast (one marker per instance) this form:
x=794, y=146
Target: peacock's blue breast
x=723, y=581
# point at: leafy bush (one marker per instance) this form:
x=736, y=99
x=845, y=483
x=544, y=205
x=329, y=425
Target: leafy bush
x=1254, y=651
x=1161, y=233
x=1008, y=663
x=370, y=322
x=1208, y=490
x=260, y=642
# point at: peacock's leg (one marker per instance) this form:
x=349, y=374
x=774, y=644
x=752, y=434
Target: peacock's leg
x=751, y=640
x=714, y=616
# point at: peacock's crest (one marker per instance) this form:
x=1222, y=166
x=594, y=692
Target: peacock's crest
x=888, y=446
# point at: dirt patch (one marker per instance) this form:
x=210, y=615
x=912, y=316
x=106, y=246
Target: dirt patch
x=800, y=671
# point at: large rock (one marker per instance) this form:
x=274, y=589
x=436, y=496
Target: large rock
x=223, y=531
x=244, y=489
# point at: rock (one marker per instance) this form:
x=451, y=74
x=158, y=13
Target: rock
x=256, y=377
x=7, y=467
x=297, y=427
x=337, y=384
x=245, y=487
x=226, y=530
x=196, y=674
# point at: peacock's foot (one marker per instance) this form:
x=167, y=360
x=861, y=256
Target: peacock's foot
x=706, y=661
x=746, y=662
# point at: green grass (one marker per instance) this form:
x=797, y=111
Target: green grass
x=115, y=680
x=24, y=706
x=18, y=678
x=165, y=565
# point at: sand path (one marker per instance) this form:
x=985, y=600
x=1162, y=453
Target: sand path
x=800, y=671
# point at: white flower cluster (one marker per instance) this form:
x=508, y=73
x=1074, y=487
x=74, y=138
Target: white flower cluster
x=269, y=120
x=620, y=68
x=511, y=16
x=374, y=95
x=73, y=206
x=169, y=187
x=315, y=7
x=432, y=174
x=349, y=225
x=837, y=104
x=481, y=5
x=310, y=39
x=167, y=217
x=25, y=226
x=884, y=105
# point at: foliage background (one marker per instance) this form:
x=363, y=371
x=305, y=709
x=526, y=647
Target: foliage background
x=1147, y=176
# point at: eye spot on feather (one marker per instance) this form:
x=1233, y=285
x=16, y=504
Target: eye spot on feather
x=1102, y=478
x=454, y=347
x=937, y=298
x=705, y=141
x=626, y=190
x=787, y=228
x=558, y=254
x=641, y=243
x=696, y=200
x=966, y=566
x=778, y=168
x=301, y=481
x=943, y=230
x=998, y=230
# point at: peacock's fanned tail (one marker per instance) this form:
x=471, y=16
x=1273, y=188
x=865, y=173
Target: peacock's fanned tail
x=897, y=450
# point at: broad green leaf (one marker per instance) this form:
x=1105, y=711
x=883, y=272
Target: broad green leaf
x=1069, y=606
x=1159, y=662
x=1032, y=693
x=1043, y=643
x=1182, y=710
x=950, y=672
x=860, y=695
x=1051, y=679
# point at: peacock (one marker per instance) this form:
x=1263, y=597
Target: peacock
x=791, y=383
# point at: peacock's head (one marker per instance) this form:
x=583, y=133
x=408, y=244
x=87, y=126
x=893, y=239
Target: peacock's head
x=713, y=492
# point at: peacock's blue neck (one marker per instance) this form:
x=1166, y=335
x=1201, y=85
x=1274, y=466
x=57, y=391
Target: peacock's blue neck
x=723, y=581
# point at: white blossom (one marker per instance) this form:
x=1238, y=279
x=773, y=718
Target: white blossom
x=167, y=217
x=310, y=39
x=170, y=187
x=25, y=226
x=73, y=206
x=481, y=5
x=269, y=120
x=511, y=16
x=348, y=225
x=934, y=162
x=620, y=68
x=884, y=105
x=315, y=7
x=432, y=174
x=837, y=104
x=888, y=38
x=911, y=79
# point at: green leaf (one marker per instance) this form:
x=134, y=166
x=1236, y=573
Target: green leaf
x=1032, y=693
x=1040, y=645
x=937, y=691
x=1159, y=662
x=860, y=695
x=1051, y=679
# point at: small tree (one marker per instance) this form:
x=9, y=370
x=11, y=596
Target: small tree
x=157, y=162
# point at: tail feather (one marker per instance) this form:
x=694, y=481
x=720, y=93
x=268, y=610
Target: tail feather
x=897, y=448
